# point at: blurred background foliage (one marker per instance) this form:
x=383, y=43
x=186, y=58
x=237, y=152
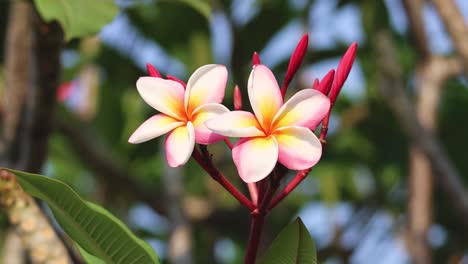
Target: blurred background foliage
x=354, y=201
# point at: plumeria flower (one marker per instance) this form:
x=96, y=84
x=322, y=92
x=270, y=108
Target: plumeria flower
x=183, y=112
x=276, y=132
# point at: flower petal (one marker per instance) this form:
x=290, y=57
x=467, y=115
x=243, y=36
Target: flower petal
x=255, y=158
x=204, y=112
x=155, y=126
x=299, y=148
x=264, y=94
x=306, y=108
x=206, y=85
x=179, y=145
x=235, y=124
x=166, y=96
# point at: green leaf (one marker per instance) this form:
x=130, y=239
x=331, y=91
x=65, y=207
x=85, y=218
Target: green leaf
x=292, y=246
x=92, y=227
x=89, y=258
x=202, y=7
x=78, y=18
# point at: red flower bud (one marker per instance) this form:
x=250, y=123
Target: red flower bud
x=237, y=98
x=326, y=82
x=295, y=62
x=170, y=77
x=256, y=59
x=152, y=70
x=316, y=84
x=342, y=72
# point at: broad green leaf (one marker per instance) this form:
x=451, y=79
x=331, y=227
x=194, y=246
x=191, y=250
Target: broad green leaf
x=92, y=227
x=292, y=246
x=89, y=258
x=78, y=18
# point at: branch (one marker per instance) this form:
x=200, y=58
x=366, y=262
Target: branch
x=203, y=158
x=18, y=53
x=33, y=69
x=414, y=10
x=41, y=98
x=430, y=75
x=455, y=24
x=392, y=90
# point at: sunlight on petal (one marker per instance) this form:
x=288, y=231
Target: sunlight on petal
x=166, y=96
x=264, y=94
x=155, y=126
x=306, y=108
x=203, y=135
x=255, y=158
x=235, y=124
x=299, y=148
x=206, y=85
x=179, y=145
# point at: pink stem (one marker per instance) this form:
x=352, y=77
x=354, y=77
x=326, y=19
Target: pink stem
x=258, y=219
x=256, y=228
x=228, y=143
x=253, y=192
x=251, y=185
x=301, y=175
x=207, y=165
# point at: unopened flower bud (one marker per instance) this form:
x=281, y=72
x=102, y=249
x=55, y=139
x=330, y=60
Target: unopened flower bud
x=326, y=83
x=237, y=98
x=256, y=59
x=152, y=71
x=342, y=72
x=316, y=84
x=295, y=62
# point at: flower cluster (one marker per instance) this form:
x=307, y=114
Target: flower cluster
x=276, y=131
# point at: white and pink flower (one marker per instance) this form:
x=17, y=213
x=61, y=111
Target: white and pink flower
x=276, y=132
x=182, y=112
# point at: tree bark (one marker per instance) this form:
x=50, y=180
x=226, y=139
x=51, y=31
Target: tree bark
x=431, y=72
x=392, y=89
x=420, y=183
x=41, y=96
x=33, y=227
x=419, y=206
x=456, y=26
x=18, y=56
x=33, y=67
